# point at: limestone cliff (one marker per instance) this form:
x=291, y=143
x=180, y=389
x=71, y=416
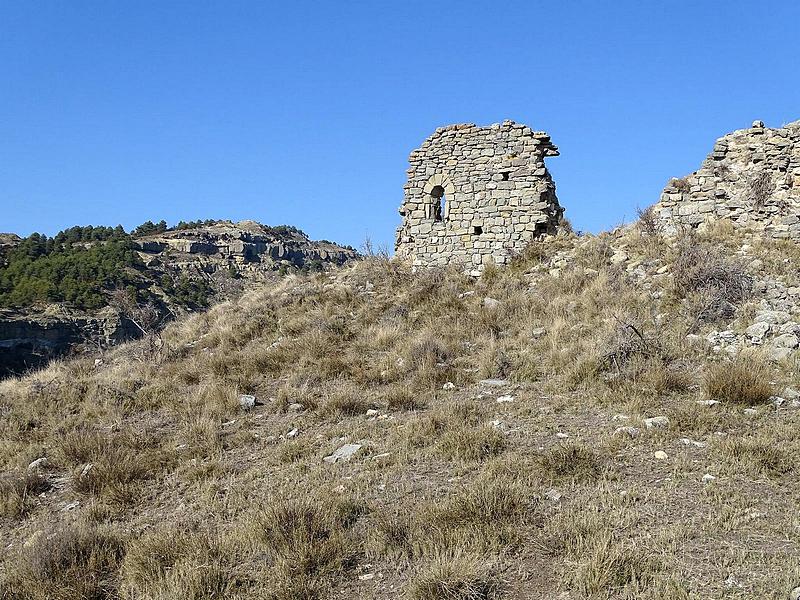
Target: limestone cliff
x=250, y=248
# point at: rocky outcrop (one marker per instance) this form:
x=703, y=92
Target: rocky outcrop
x=29, y=340
x=751, y=177
x=252, y=249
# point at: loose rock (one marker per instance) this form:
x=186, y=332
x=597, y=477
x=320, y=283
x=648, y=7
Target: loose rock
x=39, y=463
x=629, y=431
x=657, y=422
x=343, y=454
x=491, y=303
x=247, y=401
x=493, y=382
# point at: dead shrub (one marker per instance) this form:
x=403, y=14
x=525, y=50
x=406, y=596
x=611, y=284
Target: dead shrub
x=626, y=342
x=76, y=563
x=760, y=187
x=744, y=380
x=648, y=222
x=715, y=285
x=680, y=184
x=721, y=170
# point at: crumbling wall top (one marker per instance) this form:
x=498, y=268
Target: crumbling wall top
x=751, y=177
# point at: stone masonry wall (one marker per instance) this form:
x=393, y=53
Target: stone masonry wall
x=752, y=177
x=477, y=195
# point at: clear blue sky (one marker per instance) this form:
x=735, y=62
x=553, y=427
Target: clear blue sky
x=304, y=112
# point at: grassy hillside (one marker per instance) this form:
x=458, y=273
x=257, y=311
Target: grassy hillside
x=557, y=429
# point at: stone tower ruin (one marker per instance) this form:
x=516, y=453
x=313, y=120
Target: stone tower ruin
x=751, y=178
x=477, y=196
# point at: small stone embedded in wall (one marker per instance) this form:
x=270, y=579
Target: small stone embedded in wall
x=477, y=196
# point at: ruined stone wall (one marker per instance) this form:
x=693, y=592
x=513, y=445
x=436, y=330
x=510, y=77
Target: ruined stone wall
x=752, y=177
x=477, y=195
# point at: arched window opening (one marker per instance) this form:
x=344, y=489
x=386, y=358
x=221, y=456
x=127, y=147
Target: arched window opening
x=439, y=203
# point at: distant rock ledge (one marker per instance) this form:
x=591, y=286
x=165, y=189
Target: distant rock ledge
x=249, y=246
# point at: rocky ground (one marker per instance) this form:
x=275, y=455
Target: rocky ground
x=611, y=416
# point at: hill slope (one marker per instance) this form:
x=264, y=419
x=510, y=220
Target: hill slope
x=612, y=416
x=58, y=294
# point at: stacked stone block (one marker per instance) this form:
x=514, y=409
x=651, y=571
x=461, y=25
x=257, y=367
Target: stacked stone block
x=477, y=195
x=752, y=178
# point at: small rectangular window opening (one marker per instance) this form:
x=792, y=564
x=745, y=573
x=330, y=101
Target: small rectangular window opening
x=505, y=175
x=477, y=230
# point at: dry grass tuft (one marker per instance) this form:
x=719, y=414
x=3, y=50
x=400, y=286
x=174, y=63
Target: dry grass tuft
x=767, y=457
x=111, y=464
x=77, y=563
x=174, y=562
x=455, y=577
x=613, y=568
x=744, y=380
x=344, y=402
x=402, y=397
x=471, y=443
x=18, y=490
x=308, y=540
x=571, y=462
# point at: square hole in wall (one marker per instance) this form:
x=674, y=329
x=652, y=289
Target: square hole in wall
x=477, y=230
x=505, y=175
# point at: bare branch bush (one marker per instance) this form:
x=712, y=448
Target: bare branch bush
x=373, y=251
x=714, y=284
x=648, y=222
x=681, y=184
x=627, y=341
x=145, y=317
